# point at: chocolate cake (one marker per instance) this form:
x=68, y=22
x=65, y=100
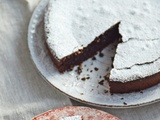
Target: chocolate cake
x=71, y=28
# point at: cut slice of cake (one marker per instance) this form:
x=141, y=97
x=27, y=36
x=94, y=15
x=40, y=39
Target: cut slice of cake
x=79, y=56
x=66, y=44
x=136, y=66
x=71, y=27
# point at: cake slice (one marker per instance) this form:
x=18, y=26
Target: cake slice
x=79, y=56
x=67, y=48
x=136, y=66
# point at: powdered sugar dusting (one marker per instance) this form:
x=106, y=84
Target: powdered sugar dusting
x=135, y=72
x=140, y=20
x=68, y=23
x=136, y=52
x=139, y=57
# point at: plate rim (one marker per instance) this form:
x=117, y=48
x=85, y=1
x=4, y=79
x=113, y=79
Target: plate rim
x=40, y=4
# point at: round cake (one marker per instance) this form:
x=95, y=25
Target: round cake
x=76, y=30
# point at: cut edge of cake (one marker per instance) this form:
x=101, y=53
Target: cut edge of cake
x=134, y=86
x=97, y=45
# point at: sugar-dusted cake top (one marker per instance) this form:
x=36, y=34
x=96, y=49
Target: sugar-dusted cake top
x=73, y=24
x=136, y=59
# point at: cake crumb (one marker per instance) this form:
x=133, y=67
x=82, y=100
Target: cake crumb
x=83, y=78
x=82, y=94
x=124, y=103
x=96, y=69
x=101, y=54
x=101, y=82
x=79, y=69
x=122, y=98
x=107, y=76
x=88, y=78
x=91, y=70
x=94, y=58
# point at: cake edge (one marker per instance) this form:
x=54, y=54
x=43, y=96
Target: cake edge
x=134, y=86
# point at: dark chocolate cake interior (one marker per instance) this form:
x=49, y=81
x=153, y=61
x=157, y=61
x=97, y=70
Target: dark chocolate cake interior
x=97, y=45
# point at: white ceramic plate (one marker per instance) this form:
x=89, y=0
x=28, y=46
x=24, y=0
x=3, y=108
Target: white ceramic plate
x=87, y=91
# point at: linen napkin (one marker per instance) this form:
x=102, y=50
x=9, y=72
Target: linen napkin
x=23, y=92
